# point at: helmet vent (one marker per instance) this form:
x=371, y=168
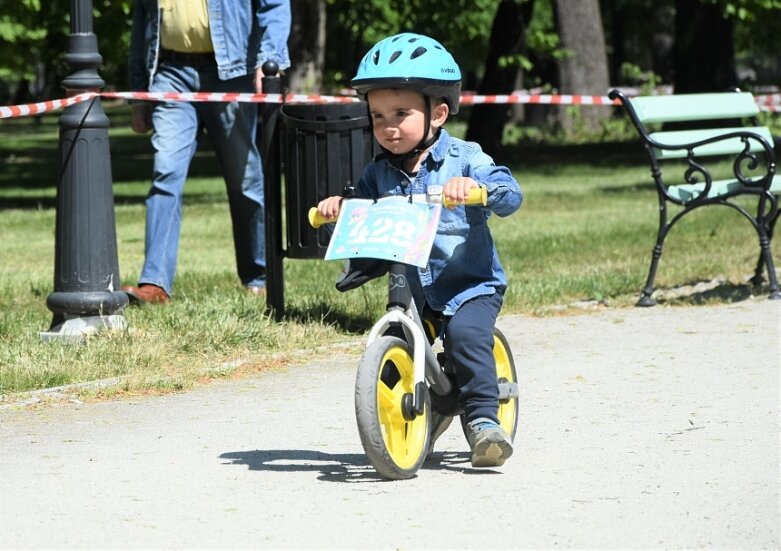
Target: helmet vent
x=419, y=51
x=394, y=56
x=376, y=58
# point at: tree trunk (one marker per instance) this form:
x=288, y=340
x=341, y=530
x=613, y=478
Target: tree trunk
x=307, y=46
x=486, y=123
x=704, y=58
x=585, y=70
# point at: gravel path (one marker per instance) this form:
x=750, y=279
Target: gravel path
x=640, y=428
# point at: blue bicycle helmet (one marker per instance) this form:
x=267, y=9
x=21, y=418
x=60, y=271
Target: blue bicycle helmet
x=410, y=61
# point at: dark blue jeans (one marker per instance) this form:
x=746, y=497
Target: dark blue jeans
x=469, y=343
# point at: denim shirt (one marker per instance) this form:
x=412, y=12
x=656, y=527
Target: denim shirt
x=464, y=262
x=245, y=34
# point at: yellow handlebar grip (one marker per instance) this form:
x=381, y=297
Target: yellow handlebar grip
x=475, y=196
x=316, y=219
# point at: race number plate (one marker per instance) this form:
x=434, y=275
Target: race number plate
x=390, y=229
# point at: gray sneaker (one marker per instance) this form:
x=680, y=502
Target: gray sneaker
x=439, y=424
x=490, y=444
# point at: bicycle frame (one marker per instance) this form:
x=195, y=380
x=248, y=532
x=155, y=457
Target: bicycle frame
x=402, y=311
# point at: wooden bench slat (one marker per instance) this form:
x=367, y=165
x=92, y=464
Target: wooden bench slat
x=719, y=188
x=722, y=147
x=694, y=107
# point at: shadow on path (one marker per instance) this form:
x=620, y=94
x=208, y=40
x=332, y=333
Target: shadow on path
x=339, y=467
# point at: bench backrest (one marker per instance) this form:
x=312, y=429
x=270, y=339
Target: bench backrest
x=698, y=107
x=694, y=107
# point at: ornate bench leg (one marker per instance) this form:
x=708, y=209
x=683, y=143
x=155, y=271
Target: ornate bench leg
x=774, y=293
x=765, y=260
x=664, y=228
x=758, y=278
x=648, y=290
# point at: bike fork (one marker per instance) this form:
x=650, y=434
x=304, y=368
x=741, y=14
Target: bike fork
x=402, y=312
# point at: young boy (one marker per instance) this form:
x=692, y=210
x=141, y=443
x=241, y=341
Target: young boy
x=412, y=84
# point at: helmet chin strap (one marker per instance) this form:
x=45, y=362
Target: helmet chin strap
x=399, y=159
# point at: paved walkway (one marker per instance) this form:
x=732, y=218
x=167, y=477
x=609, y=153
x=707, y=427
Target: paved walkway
x=640, y=428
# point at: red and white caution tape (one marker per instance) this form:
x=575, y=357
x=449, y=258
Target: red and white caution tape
x=466, y=99
x=47, y=106
x=537, y=99
x=43, y=107
x=768, y=102
x=228, y=97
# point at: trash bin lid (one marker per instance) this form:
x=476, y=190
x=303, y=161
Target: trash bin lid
x=331, y=117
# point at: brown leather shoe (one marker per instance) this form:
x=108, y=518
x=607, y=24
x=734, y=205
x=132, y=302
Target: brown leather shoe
x=146, y=293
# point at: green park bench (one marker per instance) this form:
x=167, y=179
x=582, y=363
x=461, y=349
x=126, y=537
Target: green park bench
x=717, y=126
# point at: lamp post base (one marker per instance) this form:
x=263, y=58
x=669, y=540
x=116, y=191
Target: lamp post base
x=75, y=329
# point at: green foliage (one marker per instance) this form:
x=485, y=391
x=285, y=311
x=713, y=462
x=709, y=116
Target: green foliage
x=759, y=34
x=28, y=33
x=35, y=42
x=610, y=130
x=34, y=35
x=541, y=36
x=745, y=9
x=463, y=26
x=633, y=74
x=542, y=40
x=757, y=24
x=111, y=16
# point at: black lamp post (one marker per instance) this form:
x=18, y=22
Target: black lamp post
x=87, y=295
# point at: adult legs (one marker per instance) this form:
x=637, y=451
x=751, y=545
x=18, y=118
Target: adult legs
x=174, y=141
x=232, y=129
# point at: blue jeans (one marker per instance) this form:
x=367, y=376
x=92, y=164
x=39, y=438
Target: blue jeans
x=231, y=129
x=469, y=345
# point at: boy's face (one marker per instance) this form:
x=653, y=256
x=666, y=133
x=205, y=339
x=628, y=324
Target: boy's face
x=398, y=118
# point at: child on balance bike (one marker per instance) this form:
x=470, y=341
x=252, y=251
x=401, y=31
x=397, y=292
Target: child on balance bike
x=411, y=84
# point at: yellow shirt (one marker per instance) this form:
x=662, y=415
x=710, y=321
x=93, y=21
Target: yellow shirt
x=184, y=26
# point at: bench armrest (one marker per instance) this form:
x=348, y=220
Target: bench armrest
x=745, y=146
x=751, y=148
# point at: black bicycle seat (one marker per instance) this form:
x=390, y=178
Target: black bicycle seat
x=358, y=271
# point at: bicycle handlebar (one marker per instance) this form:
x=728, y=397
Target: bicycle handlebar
x=475, y=196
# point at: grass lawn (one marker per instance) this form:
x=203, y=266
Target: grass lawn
x=584, y=233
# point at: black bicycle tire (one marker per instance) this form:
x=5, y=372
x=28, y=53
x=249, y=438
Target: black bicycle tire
x=368, y=415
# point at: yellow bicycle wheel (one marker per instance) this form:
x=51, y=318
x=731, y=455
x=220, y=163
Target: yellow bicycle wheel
x=505, y=373
x=394, y=439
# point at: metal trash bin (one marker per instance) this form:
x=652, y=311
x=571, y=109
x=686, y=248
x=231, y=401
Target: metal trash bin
x=326, y=147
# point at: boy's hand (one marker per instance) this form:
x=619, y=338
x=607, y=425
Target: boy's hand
x=456, y=190
x=330, y=207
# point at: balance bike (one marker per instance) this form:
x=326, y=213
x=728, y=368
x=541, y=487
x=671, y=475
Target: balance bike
x=401, y=379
